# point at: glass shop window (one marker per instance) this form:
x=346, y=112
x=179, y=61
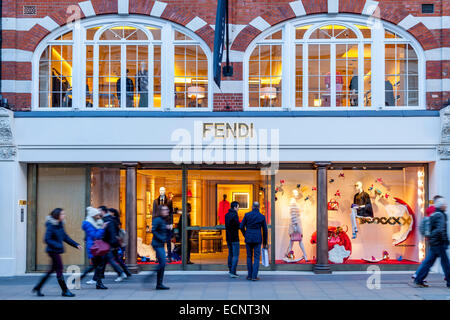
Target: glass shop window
x=373, y=215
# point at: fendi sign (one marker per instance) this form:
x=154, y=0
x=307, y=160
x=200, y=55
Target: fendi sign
x=228, y=130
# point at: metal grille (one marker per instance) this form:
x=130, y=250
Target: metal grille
x=29, y=10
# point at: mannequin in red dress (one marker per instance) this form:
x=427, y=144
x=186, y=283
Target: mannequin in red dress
x=224, y=206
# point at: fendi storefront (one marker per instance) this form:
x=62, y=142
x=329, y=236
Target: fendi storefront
x=208, y=164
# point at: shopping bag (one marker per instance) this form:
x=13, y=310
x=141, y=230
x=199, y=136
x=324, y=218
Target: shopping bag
x=265, y=257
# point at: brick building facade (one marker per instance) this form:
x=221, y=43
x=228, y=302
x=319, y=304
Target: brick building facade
x=21, y=33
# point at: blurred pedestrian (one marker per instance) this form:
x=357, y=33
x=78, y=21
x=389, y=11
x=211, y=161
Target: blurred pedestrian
x=93, y=228
x=160, y=231
x=118, y=252
x=251, y=226
x=438, y=242
x=55, y=235
x=232, y=236
x=111, y=237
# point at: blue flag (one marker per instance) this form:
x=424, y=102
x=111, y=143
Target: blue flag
x=219, y=40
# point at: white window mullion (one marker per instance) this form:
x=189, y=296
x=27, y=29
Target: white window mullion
x=333, y=75
x=167, y=68
x=288, y=69
x=150, y=80
x=77, y=77
x=95, y=89
x=305, y=74
x=123, y=76
x=361, y=74
x=378, y=67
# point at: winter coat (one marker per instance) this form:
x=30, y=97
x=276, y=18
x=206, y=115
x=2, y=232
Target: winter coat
x=251, y=227
x=111, y=231
x=232, y=226
x=439, y=235
x=92, y=233
x=55, y=235
x=159, y=230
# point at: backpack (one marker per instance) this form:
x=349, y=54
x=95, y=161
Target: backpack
x=425, y=226
x=123, y=238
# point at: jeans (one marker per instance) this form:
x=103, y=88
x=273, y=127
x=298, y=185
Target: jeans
x=233, y=256
x=433, y=254
x=161, y=256
x=253, y=253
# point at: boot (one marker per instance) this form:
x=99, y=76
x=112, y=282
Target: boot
x=37, y=291
x=159, y=280
x=38, y=287
x=65, y=290
x=100, y=285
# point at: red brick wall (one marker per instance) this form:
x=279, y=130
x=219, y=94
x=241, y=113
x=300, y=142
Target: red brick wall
x=232, y=100
x=242, y=13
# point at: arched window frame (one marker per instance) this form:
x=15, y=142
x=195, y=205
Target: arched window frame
x=79, y=43
x=377, y=42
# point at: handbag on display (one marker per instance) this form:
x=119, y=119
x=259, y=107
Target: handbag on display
x=333, y=205
x=100, y=248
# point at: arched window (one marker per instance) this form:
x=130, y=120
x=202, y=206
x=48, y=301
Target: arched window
x=347, y=63
x=139, y=64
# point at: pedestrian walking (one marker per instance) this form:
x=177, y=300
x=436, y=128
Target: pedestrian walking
x=160, y=231
x=438, y=242
x=111, y=237
x=253, y=224
x=118, y=252
x=55, y=235
x=93, y=228
x=232, y=236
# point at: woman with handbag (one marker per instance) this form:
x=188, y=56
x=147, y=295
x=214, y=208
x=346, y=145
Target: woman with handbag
x=93, y=227
x=55, y=236
x=118, y=252
x=295, y=233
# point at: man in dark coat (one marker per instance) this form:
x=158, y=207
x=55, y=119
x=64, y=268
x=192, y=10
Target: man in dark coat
x=163, y=200
x=232, y=235
x=251, y=226
x=438, y=244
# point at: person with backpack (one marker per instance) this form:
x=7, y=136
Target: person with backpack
x=111, y=237
x=434, y=228
x=118, y=252
x=55, y=236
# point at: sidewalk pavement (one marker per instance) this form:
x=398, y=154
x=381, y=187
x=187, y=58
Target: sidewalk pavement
x=218, y=286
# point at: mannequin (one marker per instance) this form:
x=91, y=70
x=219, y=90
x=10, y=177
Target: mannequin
x=142, y=84
x=164, y=200
x=295, y=230
x=354, y=88
x=224, y=206
x=361, y=207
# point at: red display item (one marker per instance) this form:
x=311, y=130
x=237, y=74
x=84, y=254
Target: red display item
x=336, y=235
x=333, y=205
x=411, y=212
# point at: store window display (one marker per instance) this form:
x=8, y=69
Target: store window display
x=295, y=216
x=381, y=216
x=155, y=188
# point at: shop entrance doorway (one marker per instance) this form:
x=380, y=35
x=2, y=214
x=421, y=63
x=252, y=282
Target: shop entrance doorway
x=209, y=195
